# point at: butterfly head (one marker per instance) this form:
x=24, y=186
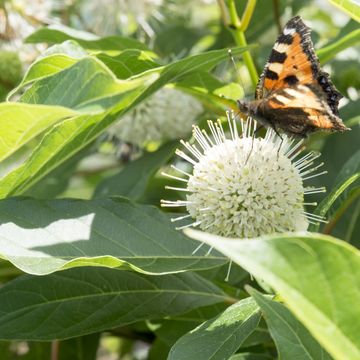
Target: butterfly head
x=248, y=108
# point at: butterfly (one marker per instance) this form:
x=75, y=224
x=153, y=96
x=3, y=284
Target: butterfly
x=293, y=93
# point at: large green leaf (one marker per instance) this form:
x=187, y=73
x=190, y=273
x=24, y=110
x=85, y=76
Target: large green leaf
x=44, y=67
x=19, y=123
x=317, y=276
x=350, y=7
x=90, y=86
x=43, y=236
x=58, y=33
x=82, y=301
x=219, y=338
x=128, y=63
x=132, y=180
x=293, y=340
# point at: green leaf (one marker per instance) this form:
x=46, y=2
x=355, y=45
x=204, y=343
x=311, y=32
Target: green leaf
x=132, y=180
x=83, y=301
x=129, y=62
x=171, y=329
x=43, y=68
x=191, y=65
x=220, y=337
x=348, y=175
x=317, y=276
x=58, y=33
x=87, y=86
x=208, y=88
x=103, y=92
x=19, y=123
x=328, y=52
x=43, y=236
x=349, y=7
x=293, y=340
x=57, y=181
x=251, y=356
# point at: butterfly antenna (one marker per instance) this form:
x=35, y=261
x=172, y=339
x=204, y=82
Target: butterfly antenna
x=238, y=77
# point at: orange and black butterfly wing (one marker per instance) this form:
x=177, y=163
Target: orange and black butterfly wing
x=300, y=110
x=293, y=62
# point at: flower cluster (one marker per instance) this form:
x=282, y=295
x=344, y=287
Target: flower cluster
x=153, y=119
x=245, y=186
x=19, y=18
x=108, y=17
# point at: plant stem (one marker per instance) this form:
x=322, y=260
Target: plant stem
x=248, y=12
x=55, y=350
x=237, y=28
x=276, y=8
x=355, y=194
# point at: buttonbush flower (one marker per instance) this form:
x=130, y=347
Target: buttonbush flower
x=153, y=120
x=245, y=186
x=20, y=18
x=108, y=17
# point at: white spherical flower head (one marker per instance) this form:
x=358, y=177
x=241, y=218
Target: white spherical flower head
x=108, y=17
x=245, y=186
x=154, y=119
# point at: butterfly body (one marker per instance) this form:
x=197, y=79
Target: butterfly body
x=293, y=93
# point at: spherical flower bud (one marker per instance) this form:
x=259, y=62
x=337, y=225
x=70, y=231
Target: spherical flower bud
x=153, y=120
x=108, y=17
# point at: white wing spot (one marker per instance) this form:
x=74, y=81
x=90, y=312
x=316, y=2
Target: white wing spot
x=289, y=31
x=276, y=67
x=280, y=47
x=303, y=88
x=282, y=99
x=292, y=92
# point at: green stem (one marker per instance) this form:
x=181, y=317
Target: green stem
x=354, y=194
x=248, y=12
x=236, y=28
x=276, y=8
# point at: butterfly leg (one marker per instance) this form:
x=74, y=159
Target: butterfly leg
x=252, y=142
x=282, y=139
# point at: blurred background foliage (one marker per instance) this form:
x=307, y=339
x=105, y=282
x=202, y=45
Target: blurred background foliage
x=170, y=30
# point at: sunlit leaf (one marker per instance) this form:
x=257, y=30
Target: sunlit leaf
x=220, y=337
x=19, y=123
x=44, y=67
x=350, y=7
x=128, y=63
x=317, y=276
x=90, y=87
x=328, y=52
x=43, y=236
x=293, y=340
